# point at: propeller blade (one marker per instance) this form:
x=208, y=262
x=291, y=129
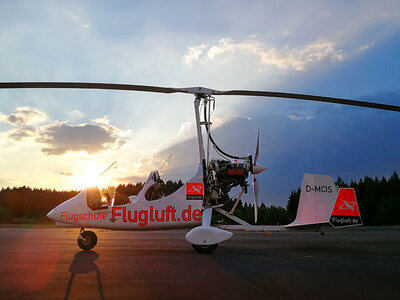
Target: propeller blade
x=192, y=90
x=255, y=190
x=257, y=148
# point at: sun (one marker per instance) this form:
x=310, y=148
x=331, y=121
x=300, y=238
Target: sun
x=88, y=177
x=83, y=180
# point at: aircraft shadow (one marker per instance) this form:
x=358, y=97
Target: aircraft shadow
x=84, y=263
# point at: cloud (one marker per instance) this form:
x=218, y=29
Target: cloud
x=21, y=133
x=61, y=138
x=194, y=54
x=131, y=179
x=366, y=47
x=176, y=164
x=186, y=131
x=24, y=116
x=104, y=120
x=145, y=164
x=75, y=114
x=297, y=117
x=68, y=174
x=297, y=58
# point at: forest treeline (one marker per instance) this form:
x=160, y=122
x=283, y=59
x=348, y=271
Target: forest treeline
x=378, y=199
x=27, y=205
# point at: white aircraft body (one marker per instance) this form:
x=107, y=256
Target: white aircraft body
x=87, y=210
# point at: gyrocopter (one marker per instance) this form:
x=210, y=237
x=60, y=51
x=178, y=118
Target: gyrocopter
x=191, y=206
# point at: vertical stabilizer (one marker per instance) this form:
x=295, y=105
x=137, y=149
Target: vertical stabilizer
x=317, y=199
x=346, y=212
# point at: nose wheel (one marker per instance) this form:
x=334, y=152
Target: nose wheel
x=87, y=239
x=204, y=249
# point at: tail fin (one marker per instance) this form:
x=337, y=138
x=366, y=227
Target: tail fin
x=345, y=212
x=317, y=199
x=321, y=204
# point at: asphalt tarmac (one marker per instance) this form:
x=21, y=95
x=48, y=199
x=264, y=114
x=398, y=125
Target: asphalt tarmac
x=46, y=263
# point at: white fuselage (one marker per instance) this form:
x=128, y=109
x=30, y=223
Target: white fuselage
x=173, y=211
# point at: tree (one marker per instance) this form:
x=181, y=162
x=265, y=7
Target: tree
x=292, y=204
x=5, y=214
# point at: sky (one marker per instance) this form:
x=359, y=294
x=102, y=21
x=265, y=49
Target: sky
x=63, y=138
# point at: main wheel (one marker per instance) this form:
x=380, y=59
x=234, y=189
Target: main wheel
x=204, y=249
x=87, y=240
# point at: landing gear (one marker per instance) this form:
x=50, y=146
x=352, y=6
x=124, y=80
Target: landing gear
x=87, y=239
x=321, y=232
x=204, y=249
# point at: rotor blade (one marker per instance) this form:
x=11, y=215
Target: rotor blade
x=257, y=148
x=87, y=85
x=311, y=98
x=192, y=90
x=255, y=190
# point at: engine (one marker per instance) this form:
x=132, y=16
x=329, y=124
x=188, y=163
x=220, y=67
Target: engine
x=223, y=175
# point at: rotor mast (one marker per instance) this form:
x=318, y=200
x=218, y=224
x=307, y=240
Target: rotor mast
x=197, y=102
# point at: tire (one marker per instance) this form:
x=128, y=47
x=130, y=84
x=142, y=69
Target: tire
x=321, y=232
x=87, y=240
x=204, y=249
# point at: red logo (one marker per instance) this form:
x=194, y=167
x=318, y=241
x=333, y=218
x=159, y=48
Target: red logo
x=194, y=188
x=346, y=203
x=345, y=212
x=194, y=191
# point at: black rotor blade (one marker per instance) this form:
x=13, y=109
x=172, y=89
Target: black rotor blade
x=311, y=98
x=168, y=90
x=86, y=85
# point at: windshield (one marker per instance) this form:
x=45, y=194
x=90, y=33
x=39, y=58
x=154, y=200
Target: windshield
x=93, y=197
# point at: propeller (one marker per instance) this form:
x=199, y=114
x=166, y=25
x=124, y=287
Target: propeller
x=257, y=169
x=191, y=90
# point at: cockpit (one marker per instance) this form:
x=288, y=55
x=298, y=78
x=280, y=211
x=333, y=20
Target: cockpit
x=94, y=199
x=155, y=188
x=97, y=199
x=105, y=198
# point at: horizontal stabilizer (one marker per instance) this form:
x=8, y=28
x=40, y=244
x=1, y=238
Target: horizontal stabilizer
x=307, y=226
